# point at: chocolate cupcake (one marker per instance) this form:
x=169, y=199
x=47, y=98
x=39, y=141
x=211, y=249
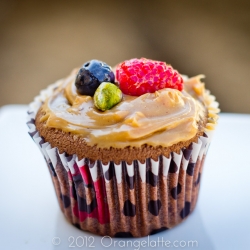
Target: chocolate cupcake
x=125, y=153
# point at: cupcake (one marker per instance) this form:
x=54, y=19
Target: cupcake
x=125, y=147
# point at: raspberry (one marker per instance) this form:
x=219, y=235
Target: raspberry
x=139, y=76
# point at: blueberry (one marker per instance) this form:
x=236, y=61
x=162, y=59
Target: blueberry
x=91, y=75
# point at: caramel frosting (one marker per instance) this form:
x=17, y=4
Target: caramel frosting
x=164, y=118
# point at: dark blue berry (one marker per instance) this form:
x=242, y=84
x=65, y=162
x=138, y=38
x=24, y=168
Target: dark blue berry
x=91, y=75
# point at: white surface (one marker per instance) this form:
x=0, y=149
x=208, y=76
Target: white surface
x=30, y=217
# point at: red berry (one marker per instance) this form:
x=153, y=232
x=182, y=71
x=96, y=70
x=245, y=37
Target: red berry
x=139, y=76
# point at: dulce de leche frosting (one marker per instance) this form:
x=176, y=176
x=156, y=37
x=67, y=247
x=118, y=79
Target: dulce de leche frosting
x=164, y=118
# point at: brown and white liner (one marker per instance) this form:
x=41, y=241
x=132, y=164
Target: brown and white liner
x=124, y=200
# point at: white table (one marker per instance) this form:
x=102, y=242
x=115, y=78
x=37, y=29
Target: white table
x=30, y=217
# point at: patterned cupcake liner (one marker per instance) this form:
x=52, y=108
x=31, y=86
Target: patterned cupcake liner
x=124, y=200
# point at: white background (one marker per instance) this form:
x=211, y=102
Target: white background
x=30, y=217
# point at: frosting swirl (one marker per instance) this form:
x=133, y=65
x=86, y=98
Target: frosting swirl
x=164, y=118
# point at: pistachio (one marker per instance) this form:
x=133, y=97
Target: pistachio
x=106, y=96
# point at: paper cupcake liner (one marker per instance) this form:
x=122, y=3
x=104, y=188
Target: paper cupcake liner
x=124, y=200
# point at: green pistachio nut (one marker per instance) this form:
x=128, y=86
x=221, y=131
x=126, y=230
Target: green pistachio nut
x=107, y=95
